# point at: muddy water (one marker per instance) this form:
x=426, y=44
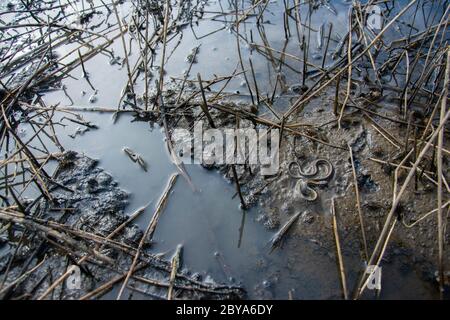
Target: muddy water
x=220, y=240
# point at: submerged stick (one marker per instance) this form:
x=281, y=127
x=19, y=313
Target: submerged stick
x=204, y=105
x=326, y=46
x=175, y=264
x=358, y=204
x=349, y=69
x=238, y=186
x=149, y=231
x=440, y=172
x=239, y=53
x=276, y=239
x=258, y=97
x=130, y=80
x=85, y=74
x=338, y=250
x=336, y=96
x=163, y=56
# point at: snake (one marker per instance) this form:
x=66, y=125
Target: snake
x=307, y=179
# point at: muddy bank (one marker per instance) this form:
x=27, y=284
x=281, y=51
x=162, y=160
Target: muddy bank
x=53, y=236
x=376, y=155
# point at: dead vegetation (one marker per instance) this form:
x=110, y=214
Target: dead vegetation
x=352, y=74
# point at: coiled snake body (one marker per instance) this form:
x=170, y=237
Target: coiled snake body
x=309, y=178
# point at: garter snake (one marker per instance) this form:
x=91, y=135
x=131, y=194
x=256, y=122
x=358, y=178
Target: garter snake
x=307, y=179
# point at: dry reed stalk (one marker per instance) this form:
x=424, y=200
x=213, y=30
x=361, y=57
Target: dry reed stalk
x=440, y=174
x=148, y=234
x=338, y=250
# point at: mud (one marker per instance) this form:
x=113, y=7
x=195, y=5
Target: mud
x=414, y=247
x=95, y=204
x=202, y=36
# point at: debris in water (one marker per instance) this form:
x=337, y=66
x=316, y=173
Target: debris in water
x=135, y=157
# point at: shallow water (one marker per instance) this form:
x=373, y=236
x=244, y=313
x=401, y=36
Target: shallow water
x=219, y=239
